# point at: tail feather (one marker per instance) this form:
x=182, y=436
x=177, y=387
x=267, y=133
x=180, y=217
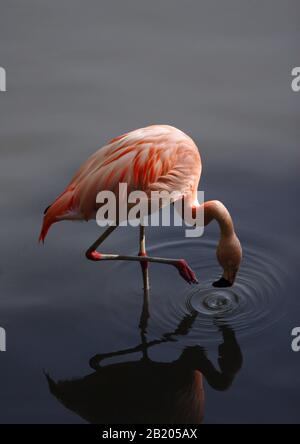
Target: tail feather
x=56, y=212
x=45, y=228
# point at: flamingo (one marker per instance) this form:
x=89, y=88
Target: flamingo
x=154, y=158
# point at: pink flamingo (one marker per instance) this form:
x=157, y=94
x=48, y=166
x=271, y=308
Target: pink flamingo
x=155, y=158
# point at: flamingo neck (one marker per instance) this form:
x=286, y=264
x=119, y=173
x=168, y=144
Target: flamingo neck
x=215, y=210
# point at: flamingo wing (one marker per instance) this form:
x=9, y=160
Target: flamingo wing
x=153, y=158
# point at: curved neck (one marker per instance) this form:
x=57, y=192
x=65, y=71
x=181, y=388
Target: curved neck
x=215, y=210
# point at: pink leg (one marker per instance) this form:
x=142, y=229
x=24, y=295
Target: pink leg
x=142, y=252
x=183, y=268
x=186, y=272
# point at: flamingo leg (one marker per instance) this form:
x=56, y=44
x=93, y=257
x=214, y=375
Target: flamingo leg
x=91, y=252
x=183, y=268
x=142, y=253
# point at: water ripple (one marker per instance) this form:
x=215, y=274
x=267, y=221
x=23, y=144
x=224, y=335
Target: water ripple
x=253, y=304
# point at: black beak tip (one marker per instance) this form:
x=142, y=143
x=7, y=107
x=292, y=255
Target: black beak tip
x=222, y=283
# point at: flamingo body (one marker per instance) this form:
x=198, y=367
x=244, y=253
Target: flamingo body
x=154, y=158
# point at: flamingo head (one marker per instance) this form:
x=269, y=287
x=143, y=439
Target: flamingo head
x=229, y=255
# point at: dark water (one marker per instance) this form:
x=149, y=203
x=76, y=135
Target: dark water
x=79, y=74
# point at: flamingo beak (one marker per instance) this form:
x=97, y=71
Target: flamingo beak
x=222, y=283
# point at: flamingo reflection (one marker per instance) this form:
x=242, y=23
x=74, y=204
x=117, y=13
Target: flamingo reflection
x=146, y=391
